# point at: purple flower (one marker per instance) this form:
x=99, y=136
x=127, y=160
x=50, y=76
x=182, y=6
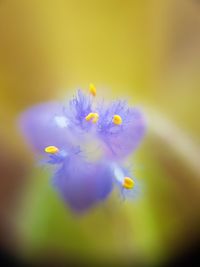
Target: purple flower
x=86, y=142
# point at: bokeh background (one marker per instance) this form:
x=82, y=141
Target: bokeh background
x=145, y=51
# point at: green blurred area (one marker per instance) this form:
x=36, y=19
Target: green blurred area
x=146, y=51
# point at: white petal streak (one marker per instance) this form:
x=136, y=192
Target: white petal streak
x=61, y=121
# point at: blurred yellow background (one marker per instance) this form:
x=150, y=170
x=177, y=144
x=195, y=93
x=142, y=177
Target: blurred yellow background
x=145, y=51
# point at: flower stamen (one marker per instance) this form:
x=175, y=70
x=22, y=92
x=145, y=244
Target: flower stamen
x=51, y=150
x=128, y=183
x=92, y=90
x=117, y=120
x=93, y=117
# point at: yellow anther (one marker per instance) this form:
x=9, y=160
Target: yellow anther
x=117, y=119
x=93, y=117
x=92, y=90
x=96, y=117
x=128, y=183
x=51, y=150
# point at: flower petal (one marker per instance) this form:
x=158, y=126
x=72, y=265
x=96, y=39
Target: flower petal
x=83, y=184
x=123, y=139
x=44, y=125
